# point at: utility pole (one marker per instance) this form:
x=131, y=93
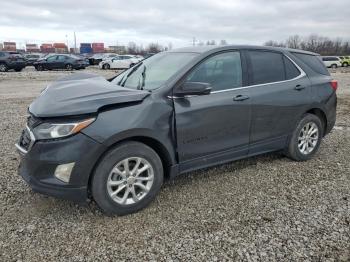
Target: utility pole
x=194, y=41
x=67, y=44
x=75, y=43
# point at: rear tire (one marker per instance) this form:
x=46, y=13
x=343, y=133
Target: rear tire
x=112, y=169
x=39, y=68
x=334, y=66
x=18, y=69
x=69, y=67
x=3, y=68
x=106, y=66
x=131, y=65
x=310, y=130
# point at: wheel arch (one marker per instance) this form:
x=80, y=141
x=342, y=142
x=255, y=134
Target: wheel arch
x=321, y=115
x=152, y=142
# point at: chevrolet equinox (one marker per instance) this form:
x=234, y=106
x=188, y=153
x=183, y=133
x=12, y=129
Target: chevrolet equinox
x=114, y=141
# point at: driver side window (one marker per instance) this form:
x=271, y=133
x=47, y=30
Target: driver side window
x=222, y=71
x=51, y=58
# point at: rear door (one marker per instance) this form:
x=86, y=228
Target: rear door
x=280, y=93
x=214, y=128
x=61, y=61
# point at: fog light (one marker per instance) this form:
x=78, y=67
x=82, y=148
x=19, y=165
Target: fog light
x=63, y=172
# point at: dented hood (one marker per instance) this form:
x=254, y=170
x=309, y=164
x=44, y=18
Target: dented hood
x=81, y=93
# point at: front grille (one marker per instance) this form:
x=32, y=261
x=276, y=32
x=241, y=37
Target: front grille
x=25, y=139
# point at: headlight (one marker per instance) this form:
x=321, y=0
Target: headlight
x=58, y=130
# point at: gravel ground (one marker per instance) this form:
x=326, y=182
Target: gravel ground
x=265, y=208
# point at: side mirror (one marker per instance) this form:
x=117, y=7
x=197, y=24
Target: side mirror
x=193, y=89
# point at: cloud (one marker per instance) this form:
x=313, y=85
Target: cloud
x=115, y=21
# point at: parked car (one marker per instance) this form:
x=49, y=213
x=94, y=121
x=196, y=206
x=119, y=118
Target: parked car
x=331, y=61
x=148, y=55
x=345, y=60
x=60, y=61
x=116, y=140
x=11, y=60
x=31, y=58
x=119, y=62
x=97, y=58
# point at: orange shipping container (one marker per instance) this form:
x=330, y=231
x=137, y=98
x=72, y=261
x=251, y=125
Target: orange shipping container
x=59, y=45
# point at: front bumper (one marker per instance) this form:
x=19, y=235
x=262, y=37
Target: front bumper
x=38, y=165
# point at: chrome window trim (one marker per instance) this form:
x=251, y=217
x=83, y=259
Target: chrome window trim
x=301, y=75
x=32, y=141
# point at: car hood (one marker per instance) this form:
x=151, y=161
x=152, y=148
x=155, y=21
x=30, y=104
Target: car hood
x=81, y=93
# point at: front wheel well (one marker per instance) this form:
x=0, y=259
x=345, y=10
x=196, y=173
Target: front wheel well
x=157, y=146
x=321, y=115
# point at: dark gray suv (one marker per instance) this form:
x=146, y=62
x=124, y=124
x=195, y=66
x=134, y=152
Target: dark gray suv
x=11, y=60
x=115, y=140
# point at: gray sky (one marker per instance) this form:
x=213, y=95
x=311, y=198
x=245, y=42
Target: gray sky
x=162, y=21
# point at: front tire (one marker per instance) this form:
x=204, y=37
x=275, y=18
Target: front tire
x=127, y=179
x=306, y=138
x=106, y=66
x=3, y=68
x=334, y=66
x=345, y=64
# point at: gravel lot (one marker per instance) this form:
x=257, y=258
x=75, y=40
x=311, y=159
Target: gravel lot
x=265, y=208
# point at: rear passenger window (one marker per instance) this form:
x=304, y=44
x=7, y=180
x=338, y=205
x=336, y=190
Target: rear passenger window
x=267, y=67
x=222, y=71
x=314, y=62
x=291, y=70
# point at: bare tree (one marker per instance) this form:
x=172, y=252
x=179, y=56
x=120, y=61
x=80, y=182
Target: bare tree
x=132, y=48
x=154, y=48
x=293, y=41
x=315, y=43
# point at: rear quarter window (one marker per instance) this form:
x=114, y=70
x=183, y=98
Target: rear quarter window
x=314, y=62
x=291, y=70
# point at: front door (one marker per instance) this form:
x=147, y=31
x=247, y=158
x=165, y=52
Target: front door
x=50, y=62
x=214, y=128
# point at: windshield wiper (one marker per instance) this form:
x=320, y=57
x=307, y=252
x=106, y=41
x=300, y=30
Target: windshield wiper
x=132, y=71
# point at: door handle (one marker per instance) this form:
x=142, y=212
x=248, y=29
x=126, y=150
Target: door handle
x=299, y=87
x=240, y=98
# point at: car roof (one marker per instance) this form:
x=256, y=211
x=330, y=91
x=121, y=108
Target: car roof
x=211, y=48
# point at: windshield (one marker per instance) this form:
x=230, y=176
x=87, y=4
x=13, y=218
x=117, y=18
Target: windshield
x=154, y=71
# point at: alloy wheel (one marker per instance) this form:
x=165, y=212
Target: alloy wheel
x=308, y=138
x=3, y=68
x=130, y=180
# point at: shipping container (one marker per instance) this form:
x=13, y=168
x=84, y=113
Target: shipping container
x=61, y=50
x=85, y=50
x=46, y=46
x=59, y=45
x=85, y=45
x=32, y=48
x=9, y=46
x=47, y=50
x=98, y=47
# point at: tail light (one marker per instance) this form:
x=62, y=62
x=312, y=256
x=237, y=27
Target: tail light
x=334, y=84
